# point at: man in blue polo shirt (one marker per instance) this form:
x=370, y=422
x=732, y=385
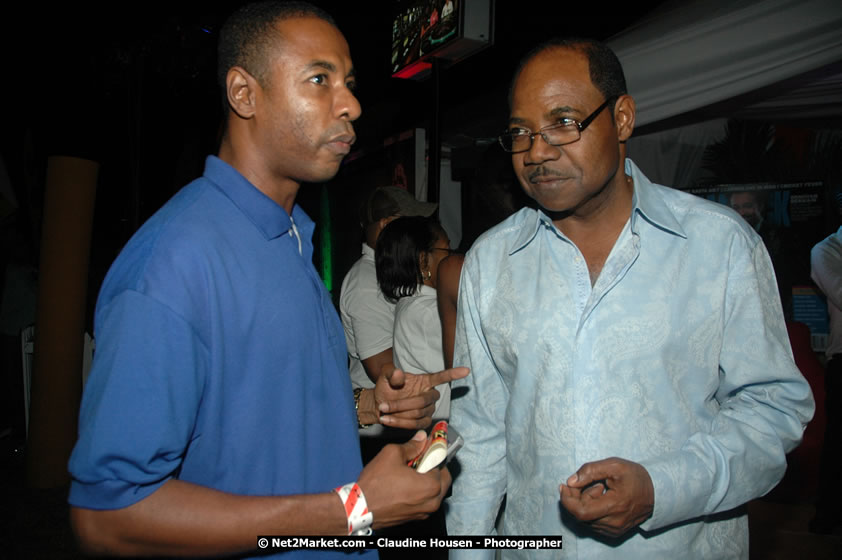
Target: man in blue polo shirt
x=219, y=405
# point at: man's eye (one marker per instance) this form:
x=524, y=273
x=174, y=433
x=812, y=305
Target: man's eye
x=319, y=79
x=352, y=85
x=519, y=132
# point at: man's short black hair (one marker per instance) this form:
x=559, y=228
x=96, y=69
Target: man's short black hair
x=398, y=254
x=249, y=35
x=604, y=67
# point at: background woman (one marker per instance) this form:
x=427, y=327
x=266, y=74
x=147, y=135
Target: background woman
x=407, y=258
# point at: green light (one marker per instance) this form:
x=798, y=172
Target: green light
x=326, y=239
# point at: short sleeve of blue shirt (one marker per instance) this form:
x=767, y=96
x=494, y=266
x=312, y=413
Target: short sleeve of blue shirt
x=150, y=413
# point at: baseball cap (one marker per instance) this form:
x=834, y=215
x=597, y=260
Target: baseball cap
x=393, y=201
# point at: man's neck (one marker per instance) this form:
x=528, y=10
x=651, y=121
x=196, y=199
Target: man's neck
x=611, y=204
x=257, y=173
x=595, y=233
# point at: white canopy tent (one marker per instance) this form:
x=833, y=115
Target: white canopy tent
x=700, y=62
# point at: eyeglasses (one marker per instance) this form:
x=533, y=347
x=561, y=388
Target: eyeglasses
x=566, y=131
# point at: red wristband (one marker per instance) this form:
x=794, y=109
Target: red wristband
x=356, y=509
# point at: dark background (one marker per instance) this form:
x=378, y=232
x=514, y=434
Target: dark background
x=132, y=86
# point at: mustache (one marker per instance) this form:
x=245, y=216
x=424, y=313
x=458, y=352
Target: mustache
x=541, y=172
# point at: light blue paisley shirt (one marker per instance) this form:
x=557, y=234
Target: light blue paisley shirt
x=677, y=358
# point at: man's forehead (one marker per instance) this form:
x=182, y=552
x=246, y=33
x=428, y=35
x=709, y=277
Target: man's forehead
x=557, y=63
x=317, y=43
x=556, y=82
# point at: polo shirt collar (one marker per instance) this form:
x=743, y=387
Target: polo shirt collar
x=266, y=214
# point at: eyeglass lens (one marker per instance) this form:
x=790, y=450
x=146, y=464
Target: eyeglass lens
x=556, y=135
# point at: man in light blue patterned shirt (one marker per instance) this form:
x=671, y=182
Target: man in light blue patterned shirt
x=632, y=381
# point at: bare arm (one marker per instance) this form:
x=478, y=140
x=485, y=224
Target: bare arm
x=374, y=365
x=181, y=518
x=447, y=293
x=404, y=400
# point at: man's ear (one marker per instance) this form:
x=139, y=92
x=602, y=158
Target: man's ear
x=241, y=90
x=624, y=111
x=383, y=222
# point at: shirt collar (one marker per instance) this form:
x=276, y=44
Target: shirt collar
x=649, y=205
x=425, y=290
x=834, y=241
x=266, y=214
x=533, y=221
x=645, y=203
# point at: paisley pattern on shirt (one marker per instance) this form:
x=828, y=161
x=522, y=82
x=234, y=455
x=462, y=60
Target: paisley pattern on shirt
x=677, y=358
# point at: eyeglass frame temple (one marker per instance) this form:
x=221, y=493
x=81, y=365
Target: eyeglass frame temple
x=581, y=126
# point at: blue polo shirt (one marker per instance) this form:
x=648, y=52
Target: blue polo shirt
x=220, y=357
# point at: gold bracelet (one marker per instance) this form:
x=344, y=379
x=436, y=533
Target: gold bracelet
x=357, y=392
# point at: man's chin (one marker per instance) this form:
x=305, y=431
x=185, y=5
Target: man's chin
x=554, y=215
x=554, y=211
x=322, y=174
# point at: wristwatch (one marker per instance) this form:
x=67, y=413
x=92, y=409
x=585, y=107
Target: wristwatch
x=357, y=392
